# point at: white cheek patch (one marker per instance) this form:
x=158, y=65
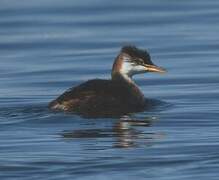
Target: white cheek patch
x=130, y=69
x=126, y=68
x=139, y=69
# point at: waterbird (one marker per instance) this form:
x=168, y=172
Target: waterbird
x=113, y=97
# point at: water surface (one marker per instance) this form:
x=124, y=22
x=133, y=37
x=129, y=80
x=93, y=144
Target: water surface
x=48, y=46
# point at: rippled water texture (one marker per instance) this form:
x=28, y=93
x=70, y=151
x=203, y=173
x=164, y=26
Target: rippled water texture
x=47, y=46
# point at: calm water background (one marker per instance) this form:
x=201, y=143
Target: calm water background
x=47, y=46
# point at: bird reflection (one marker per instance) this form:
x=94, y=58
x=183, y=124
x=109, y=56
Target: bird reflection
x=126, y=133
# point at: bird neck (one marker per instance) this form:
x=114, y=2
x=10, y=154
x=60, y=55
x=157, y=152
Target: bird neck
x=123, y=78
x=122, y=66
x=136, y=96
x=118, y=71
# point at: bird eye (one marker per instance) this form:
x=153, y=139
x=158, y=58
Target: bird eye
x=141, y=61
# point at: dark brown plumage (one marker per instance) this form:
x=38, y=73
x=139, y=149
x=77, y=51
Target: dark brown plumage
x=99, y=98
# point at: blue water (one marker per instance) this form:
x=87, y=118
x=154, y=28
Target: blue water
x=47, y=46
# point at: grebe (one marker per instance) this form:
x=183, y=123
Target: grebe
x=115, y=97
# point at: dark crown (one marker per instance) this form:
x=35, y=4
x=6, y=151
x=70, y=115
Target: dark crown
x=136, y=54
